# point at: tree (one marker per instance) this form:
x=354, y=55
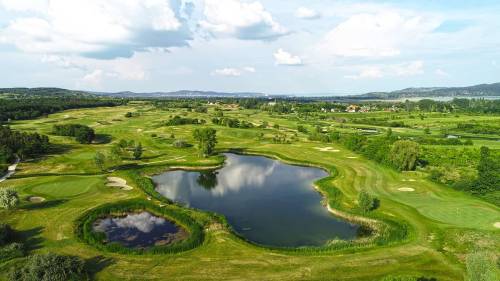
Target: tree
x=9, y=199
x=488, y=173
x=404, y=155
x=207, y=179
x=207, y=139
x=480, y=267
x=50, y=267
x=138, y=152
x=367, y=202
x=100, y=161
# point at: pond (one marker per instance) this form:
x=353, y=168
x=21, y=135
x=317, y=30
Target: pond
x=266, y=201
x=140, y=230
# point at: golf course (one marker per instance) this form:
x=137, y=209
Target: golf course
x=420, y=228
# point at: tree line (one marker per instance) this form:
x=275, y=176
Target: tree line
x=21, y=144
x=29, y=108
x=82, y=133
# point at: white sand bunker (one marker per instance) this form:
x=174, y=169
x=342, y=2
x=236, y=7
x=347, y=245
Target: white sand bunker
x=497, y=224
x=36, y=199
x=352, y=157
x=118, y=182
x=406, y=189
x=326, y=149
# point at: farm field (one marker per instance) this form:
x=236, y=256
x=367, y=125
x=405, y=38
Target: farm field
x=443, y=224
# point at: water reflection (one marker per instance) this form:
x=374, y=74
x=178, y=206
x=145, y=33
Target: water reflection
x=265, y=200
x=139, y=230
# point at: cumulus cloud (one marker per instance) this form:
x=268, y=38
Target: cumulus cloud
x=245, y=21
x=307, y=14
x=144, y=222
x=380, y=34
x=283, y=57
x=234, y=72
x=395, y=70
x=94, y=28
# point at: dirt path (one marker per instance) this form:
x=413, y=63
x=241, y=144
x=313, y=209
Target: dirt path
x=11, y=170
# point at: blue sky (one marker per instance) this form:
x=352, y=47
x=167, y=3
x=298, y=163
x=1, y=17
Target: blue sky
x=271, y=46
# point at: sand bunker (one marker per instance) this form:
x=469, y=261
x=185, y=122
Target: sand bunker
x=497, y=224
x=36, y=199
x=352, y=157
x=325, y=149
x=406, y=189
x=118, y=182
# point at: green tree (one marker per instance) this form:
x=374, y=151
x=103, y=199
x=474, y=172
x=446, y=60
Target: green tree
x=367, y=202
x=404, y=155
x=9, y=199
x=480, y=267
x=100, y=161
x=207, y=139
x=138, y=152
x=488, y=173
x=50, y=267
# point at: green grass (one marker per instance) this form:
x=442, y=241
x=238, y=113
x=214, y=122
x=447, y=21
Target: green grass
x=445, y=223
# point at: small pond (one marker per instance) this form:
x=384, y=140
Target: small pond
x=266, y=201
x=140, y=230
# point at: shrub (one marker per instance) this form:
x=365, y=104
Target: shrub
x=50, y=267
x=367, y=202
x=8, y=199
x=10, y=251
x=404, y=155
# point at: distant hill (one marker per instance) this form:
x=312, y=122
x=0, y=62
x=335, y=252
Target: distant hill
x=482, y=90
x=42, y=92
x=181, y=94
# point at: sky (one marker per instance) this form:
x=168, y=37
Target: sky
x=271, y=46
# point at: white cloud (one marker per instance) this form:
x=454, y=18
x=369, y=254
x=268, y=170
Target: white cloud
x=103, y=29
x=408, y=69
x=395, y=70
x=283, y=57
x=24, y=5
x=235, y=72
x=368, y=73
x=442, y=73
x=93, y=78
x=227, y=72
x=245, y=21
x=383, y=34
x=307, y=14
x=249, y=69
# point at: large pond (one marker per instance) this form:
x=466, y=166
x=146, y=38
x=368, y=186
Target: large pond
x=266, y=201
x=140, y=230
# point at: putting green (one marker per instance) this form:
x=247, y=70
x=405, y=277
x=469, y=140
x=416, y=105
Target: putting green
x=67, y=186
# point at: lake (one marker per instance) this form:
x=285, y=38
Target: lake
x=266, y=201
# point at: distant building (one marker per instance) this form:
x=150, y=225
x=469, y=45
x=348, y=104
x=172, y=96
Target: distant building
x=352, y=108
